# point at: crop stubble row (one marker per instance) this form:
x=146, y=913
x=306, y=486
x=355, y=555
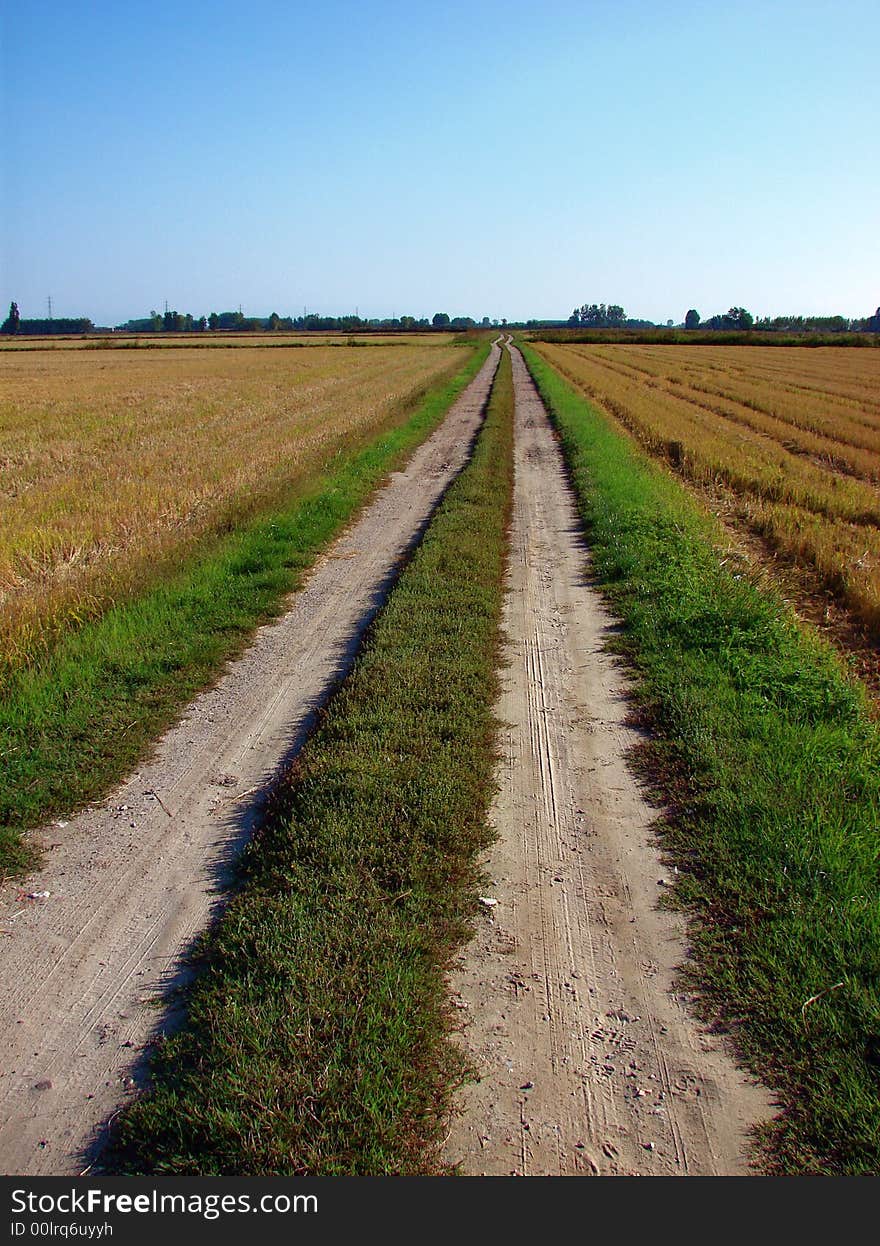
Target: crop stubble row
x=788, y=441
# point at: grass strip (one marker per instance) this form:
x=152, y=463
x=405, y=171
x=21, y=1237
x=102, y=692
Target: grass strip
x=78, y=720
x=316, y=1034
x=766, y=755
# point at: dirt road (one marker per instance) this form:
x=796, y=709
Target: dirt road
x=589, y=1059
x=131, y=882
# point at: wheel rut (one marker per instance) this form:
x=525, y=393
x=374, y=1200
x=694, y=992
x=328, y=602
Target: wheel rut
x=589, y=1059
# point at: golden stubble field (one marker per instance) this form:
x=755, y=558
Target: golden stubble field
x=216, y=340
x=786, y=440
x=116, y=463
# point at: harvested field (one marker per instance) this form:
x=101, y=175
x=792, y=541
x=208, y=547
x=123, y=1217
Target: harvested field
x=218, y=340
x=116, y=464
x=787, y=441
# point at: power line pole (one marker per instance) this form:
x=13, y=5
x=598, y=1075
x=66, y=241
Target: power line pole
x=49, y=301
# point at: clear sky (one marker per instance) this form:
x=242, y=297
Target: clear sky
x=490, y=157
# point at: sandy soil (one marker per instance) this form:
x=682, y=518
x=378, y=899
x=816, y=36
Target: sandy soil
x=589, y=1059
x=132, y=881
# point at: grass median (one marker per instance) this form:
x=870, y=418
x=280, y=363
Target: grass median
x=74, y=722
x=767, y=757
x=316, y=1039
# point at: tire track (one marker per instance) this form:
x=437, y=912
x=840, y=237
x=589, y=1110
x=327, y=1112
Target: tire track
x=589, y=1060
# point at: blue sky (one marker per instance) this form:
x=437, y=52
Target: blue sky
x=488, y=158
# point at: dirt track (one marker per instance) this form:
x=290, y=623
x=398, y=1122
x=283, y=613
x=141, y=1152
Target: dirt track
x=132, y=881
x=589, y=1059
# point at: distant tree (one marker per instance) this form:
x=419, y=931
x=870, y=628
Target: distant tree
x=225, y=321
x=692, y=319
x=156, y=321
x=12, y=322
x=740, y=318
x=202, y=324
x=274, y=321
x=735, y=318
x=873, y=321
x=598, y=316
x=440, y=321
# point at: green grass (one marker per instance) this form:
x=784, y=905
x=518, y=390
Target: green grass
x=769, y=760
x=316, y=1034
x=73, y=724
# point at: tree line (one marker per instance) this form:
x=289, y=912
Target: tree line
x=236, y=322
x=587, y=316
x=598, y=316
x=739, y=318
x=613, y=316
x=15, y=324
